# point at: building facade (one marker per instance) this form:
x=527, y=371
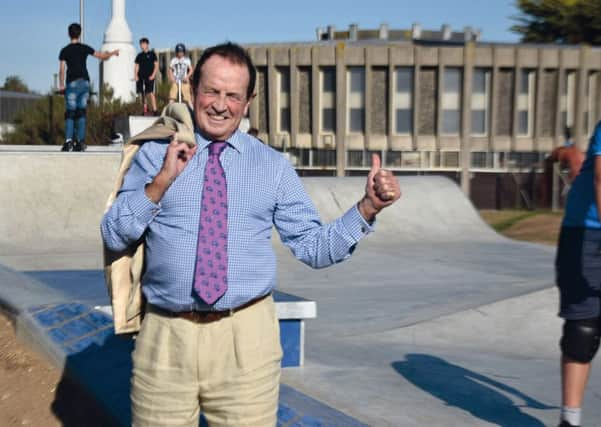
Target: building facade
x=460, y=108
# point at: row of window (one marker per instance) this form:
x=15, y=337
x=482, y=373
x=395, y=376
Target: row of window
x=404, y=105
x=414, y=160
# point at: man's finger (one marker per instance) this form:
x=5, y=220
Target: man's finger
x=375, y=164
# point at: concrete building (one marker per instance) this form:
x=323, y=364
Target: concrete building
x=485, y=114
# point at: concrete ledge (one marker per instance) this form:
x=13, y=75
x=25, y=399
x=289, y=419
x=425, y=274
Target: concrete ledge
x=79, y=338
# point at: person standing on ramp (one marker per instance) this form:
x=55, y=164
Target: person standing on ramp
x=77, y=87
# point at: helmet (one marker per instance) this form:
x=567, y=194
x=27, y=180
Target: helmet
x=180, y=48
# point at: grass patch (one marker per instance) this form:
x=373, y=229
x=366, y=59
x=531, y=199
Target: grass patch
x=503, y=220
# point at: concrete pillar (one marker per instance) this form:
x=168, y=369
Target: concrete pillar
x=561, y=83
x=253, y=112
x=294, y=99
x=416, y=94
x=516, y=92
x=581, y=98
x=538, y=103
x=439, y=96
x=340, y=110
x=272, y=105
x=391, y=87
x=466, y=117
x=494, y=93
x=368, y=98
x=315, y=112
x=118, y=71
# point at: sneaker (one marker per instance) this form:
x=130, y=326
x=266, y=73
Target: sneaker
x=80, y=146
x=67, y=146
x=564, y=423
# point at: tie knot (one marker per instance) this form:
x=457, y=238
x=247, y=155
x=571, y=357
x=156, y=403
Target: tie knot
x=215, y=148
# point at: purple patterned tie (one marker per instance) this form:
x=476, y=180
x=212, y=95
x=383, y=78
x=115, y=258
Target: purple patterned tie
x=210, y=277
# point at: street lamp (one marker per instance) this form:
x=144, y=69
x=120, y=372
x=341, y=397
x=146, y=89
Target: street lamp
x=81, y=18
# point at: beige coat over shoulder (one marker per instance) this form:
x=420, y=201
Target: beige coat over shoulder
x=123, y=269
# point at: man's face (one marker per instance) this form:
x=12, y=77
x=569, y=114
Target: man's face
x=144, y=46
x=179, y=54
x=221, y=99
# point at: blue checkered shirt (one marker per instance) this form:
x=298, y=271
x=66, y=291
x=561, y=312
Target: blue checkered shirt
x=263, y=191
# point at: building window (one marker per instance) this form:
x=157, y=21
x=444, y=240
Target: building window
x=328, y=99
x=354, y=158
x=480, y=101
x=525, y=105
x=482, y=160
x=403, y=100
x=262, y=99
x=304, y=93
x=393, y=159
x=568, y=99
x=356, y=99
x=299, y=157
x=283, y=76
x=451, y=101
x=449, y=159
x=324, y=158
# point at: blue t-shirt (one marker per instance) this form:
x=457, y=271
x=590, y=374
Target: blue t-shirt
x=581, y=207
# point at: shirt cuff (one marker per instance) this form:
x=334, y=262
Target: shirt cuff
x=142, y=208
x=356, y=226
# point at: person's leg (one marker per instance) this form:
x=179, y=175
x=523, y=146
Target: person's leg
x=150, y=92
x=173, y=93
x=164, y=382
x=241, y=387
x=574, y=377
x=187, y=94
x=82, y=104
x=70, y=107
x=140, y=92
x=579, y=344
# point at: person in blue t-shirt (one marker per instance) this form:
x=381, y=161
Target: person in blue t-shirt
x=578, y=268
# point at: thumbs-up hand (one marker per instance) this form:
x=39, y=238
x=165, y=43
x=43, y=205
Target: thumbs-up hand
x=381, y=190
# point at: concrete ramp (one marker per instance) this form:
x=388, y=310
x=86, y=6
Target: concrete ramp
x=50, y=208
x=432, y=208
x=391, y=321
x=52, y=203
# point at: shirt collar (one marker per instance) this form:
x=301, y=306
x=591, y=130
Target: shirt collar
x=236, y=140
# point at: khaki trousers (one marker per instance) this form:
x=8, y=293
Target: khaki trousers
x=228, y=369
x=186, y=92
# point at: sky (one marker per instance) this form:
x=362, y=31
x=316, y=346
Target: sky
x=32, y=32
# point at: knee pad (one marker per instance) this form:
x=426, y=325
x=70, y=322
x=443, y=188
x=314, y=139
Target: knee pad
x=580, y=340
x=80, y=112
x=70, y=114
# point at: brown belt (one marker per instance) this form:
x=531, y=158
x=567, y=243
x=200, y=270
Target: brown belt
x=203, y=316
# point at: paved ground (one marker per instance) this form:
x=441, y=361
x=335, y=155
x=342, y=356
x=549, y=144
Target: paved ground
x=436, y=320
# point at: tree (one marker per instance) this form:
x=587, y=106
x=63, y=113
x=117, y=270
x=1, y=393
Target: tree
x=15, y=84
x=559, y=21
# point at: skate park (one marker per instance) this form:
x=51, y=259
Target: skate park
x=435, y=320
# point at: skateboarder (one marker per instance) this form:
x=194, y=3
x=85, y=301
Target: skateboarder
x=180, y=71
x=578, y=267
x=77, y=88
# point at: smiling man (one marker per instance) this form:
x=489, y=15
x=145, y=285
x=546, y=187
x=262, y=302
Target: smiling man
x=210, y=338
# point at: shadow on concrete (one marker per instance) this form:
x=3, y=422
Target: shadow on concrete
x=481, y=396
x=97, y=378
x=94, y=389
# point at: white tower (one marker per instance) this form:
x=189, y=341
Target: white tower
x=118, y=71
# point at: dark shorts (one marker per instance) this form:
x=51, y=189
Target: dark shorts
x=144, y=85
x=578, y=273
